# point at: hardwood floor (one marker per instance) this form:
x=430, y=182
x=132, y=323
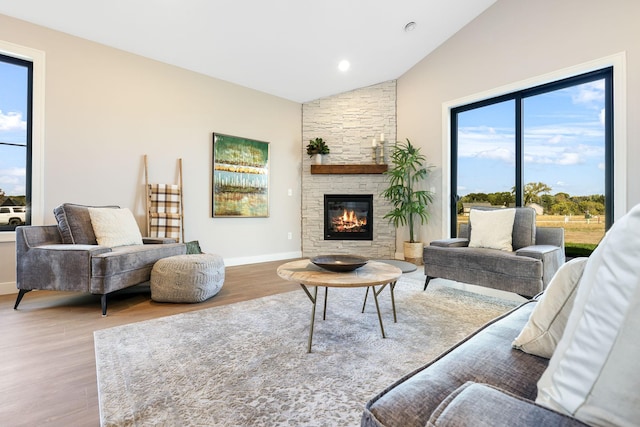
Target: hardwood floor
x=47, y=364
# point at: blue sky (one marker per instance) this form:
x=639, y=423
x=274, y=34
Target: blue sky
x=13, y=128
x=563, y=140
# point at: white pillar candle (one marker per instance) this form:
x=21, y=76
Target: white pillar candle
x=373, y=142
x=382, y=137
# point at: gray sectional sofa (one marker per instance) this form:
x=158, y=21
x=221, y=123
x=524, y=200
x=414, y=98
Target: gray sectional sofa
x=482, y=381
x=67, y=257
x=565, y=358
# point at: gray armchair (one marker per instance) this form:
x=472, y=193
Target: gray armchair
x=537, y=254
x=67, y=257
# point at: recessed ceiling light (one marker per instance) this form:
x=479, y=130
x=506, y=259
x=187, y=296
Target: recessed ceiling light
x=344, y=65
x=410, y=26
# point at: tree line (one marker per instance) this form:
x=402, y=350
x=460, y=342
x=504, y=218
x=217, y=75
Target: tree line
x=539, y=193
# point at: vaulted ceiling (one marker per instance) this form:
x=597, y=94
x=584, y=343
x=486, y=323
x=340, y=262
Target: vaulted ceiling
x=287, y=48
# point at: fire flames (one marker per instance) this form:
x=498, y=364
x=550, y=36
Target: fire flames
x=348, y=222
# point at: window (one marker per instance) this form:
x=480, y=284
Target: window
x=16, y=88
x=550, y=146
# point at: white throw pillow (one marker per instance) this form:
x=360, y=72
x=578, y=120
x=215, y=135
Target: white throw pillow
x=115, y=227
x=547, y=321
x=491, y=229
x=593, y=374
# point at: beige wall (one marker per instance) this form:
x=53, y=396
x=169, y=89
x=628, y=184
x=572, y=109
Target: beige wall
x=515, y=42
x=105, y=109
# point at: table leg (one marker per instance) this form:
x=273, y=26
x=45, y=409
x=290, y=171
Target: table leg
x=392, y=288
x=313, y=299
x=365, y=299
x=326, y=293
x=375, y=297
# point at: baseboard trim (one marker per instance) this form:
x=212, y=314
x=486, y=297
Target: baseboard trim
x=8, y=288
x=228, y=262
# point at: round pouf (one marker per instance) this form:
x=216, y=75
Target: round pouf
x=187, y=278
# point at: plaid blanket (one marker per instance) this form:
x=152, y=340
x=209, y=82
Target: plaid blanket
x=164, y=206
x=164, y=225
x=165, y=198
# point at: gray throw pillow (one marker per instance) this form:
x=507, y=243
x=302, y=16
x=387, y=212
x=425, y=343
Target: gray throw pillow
x=74, y=223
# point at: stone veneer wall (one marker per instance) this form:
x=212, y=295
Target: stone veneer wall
x=348, y=122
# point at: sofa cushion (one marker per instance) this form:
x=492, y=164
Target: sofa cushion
x=593, y=374
x=485, y=356
x=524, y=226
x=474, y=404
x=125, y=266
x=115, y=227
x=491, y=229
x=487, y=267
x=548, y=320
x=74, y=223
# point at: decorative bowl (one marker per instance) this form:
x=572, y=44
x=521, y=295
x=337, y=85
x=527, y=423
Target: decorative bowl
x=339, y=262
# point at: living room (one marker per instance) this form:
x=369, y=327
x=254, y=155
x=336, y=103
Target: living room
x=106, y=108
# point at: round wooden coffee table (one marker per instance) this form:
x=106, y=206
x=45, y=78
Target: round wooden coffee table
x=308, y=274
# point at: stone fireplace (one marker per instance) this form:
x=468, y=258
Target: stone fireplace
x=348, y=122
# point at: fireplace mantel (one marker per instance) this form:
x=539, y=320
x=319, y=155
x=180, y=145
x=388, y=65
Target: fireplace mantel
x=348, y=169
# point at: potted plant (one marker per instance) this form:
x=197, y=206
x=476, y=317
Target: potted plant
x=317, y=147
x=407, y=171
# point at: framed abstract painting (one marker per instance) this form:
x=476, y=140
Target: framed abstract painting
x=240, y=177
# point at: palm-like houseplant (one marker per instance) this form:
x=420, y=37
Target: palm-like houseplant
x=410, y=203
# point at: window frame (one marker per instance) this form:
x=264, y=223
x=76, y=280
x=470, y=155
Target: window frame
x=518, y=99
x=35, y=182
x=617, y=174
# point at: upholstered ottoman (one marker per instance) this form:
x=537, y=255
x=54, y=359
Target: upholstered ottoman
x=187, y=278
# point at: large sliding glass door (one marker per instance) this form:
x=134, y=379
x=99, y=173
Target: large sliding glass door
x=548, y=147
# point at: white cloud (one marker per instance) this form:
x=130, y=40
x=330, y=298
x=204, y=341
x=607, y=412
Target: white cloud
x=7, y=180
x=569, y=159
x=601, y=166
x=12, y=181
x=11, y=172
x=486, y=143
x=602, y=116
x=589, y=92
x=12, y=121
x=556, y=139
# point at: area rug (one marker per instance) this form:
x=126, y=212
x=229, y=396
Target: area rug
x=246, y=364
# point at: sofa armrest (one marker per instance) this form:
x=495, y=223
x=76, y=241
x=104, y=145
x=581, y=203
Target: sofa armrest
x=158, y=240
x=57, y=267
x=474, y=404
x=36, y=235
x=552, y=258
x=454, y=242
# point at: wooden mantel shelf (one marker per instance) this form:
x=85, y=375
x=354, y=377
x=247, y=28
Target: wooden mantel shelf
x=348, y=169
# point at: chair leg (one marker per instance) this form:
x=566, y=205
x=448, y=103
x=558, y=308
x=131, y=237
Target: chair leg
x=426, y=282
x=19, y=298
x=103, y=301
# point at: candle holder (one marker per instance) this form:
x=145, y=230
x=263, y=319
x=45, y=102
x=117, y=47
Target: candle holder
x=374, y=154
x=380, y=159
